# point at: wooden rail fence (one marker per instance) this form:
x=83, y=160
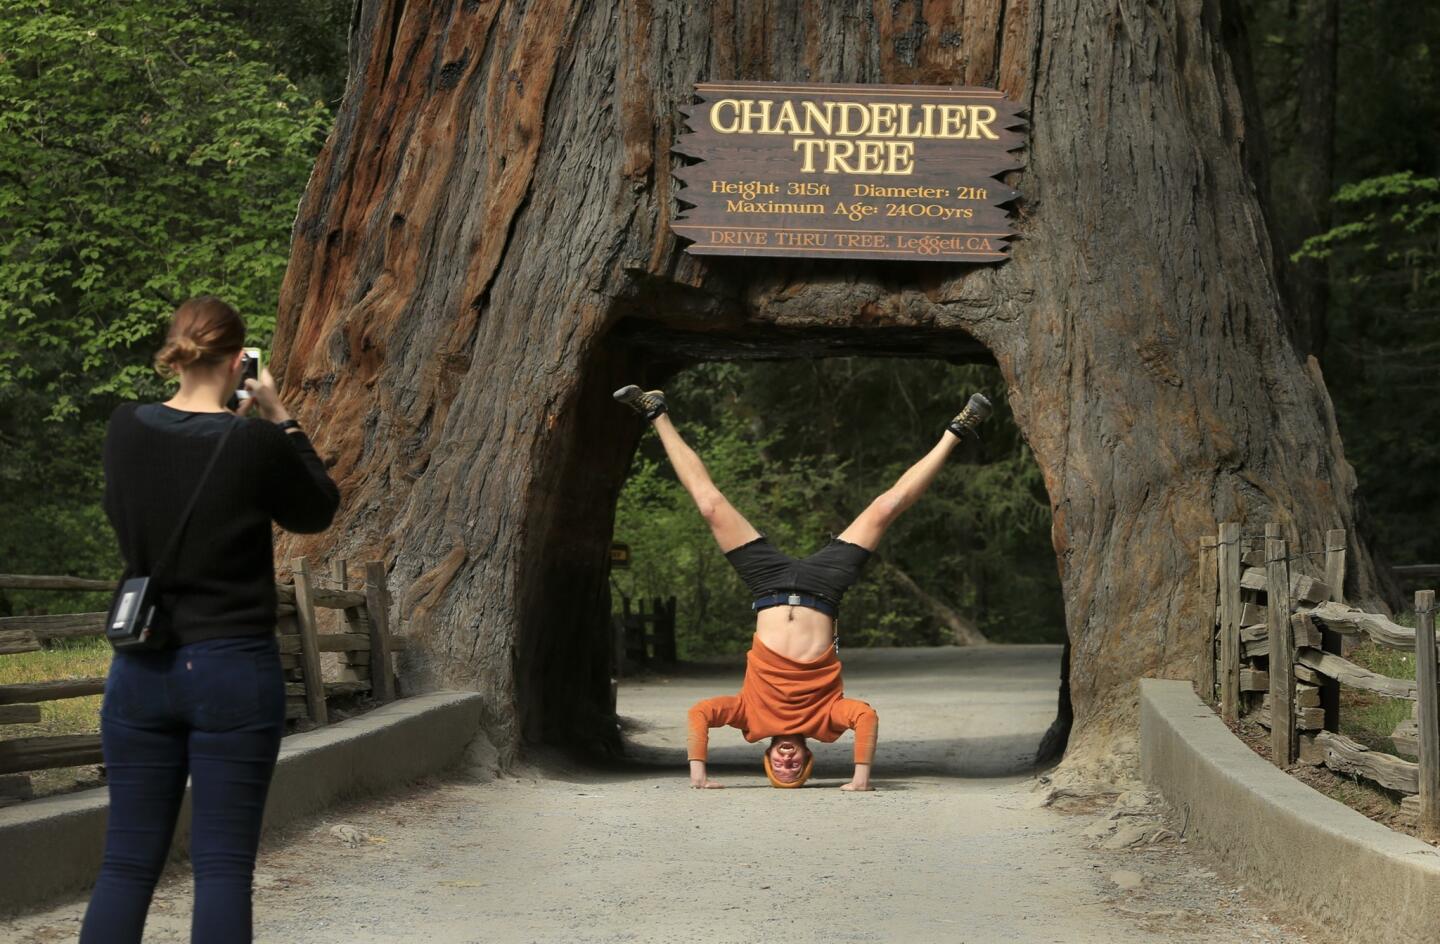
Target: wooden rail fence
x=365, y=646
x=643, y=636
x=1276, y=651
x=1409, y=573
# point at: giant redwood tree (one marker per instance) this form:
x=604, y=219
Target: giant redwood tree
x=483, y=254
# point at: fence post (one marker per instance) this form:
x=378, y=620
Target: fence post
x=1282, y=653
x=1205, y=677
x=1335, y=564
x=309, y=643
x=339, y=572
x=634, y=632
x=1229, y=553
x=665, y=630
x=617, y=645
x=14, y=788
x=377, y=605
x=1330, y=640
x=654, y=629
x=356, y=667
x=1429, y=711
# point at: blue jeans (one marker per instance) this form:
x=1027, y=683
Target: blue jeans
x=213, y=710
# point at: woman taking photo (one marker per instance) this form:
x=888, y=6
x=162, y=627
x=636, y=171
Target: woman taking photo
x=206, y=699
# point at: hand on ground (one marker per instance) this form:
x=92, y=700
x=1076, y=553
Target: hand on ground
x=854, y=787
x=706, y=784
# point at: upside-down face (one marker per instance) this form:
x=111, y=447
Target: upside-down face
x=788, y=761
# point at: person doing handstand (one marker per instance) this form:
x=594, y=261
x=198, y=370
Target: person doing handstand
x=792, y=689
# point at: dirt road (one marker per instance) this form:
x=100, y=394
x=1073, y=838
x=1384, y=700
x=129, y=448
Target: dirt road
x=955, y=846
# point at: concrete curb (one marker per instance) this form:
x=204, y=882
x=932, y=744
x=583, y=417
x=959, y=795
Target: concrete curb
x=1316, y=858
x=52, y=846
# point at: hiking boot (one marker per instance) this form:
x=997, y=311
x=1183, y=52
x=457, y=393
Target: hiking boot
x=648, y=404
x=972, y=416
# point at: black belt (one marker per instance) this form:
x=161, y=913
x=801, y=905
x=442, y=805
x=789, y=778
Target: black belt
x=796, y=599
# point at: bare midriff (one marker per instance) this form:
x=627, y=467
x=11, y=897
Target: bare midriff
x=796, y=632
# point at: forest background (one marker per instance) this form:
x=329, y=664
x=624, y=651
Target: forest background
x=151, y=150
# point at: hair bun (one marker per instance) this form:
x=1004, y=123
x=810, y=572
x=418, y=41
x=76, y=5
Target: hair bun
x=184, y=351
x=176, y=355
x=203, y=329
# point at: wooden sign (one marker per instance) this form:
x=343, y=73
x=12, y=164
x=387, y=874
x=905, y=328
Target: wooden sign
x=619, y=554
x=849, y=171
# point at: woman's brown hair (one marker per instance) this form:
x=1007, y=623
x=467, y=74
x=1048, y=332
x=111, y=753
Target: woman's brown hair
x=203, y=330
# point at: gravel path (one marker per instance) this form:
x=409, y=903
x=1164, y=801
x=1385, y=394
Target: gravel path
x=957, y=845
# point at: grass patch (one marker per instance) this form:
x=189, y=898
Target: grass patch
x=80, y=658
x=1370, y=718
x=1384, y=661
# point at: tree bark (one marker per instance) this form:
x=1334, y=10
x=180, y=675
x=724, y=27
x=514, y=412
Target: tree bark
x=482, y=255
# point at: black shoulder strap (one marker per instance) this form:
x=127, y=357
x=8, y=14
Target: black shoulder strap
x=174, y=543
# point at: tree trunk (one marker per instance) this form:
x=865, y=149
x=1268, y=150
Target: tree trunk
x=963, y=632
x=1316, y=24
x=1053, y=742
x=482, y=255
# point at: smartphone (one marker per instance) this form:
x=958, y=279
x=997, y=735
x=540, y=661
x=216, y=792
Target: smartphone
x=250, y=370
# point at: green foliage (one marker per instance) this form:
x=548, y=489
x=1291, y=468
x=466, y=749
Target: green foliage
x=1394, y=663
x=672, y=550
x=1390, y=237
x=1370, y=718
x=1381, y=255
x=306, y=37
x=800, y=448
x=1386, y=108
x=1384, y=258
x=53, y=520
x=149, y=151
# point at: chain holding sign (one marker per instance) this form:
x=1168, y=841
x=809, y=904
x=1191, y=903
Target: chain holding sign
x=849, y=171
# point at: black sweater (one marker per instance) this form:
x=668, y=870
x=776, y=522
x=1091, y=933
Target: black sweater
x=221, y=580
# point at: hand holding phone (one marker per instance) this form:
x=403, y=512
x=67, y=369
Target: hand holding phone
x=264, y=397
x=249, y=370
